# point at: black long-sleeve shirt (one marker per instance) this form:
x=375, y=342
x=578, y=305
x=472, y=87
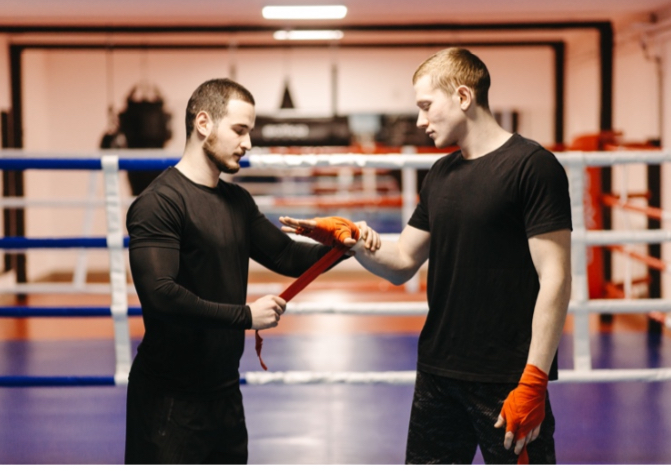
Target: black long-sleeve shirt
x=190, y=247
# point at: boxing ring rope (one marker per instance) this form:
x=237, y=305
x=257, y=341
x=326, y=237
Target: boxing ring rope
x=116, y=243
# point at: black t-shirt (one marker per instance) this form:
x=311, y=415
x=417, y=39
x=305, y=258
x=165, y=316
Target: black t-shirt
x=190, y=247
x=482, y=284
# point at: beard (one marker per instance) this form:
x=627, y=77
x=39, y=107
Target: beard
x=209, y=147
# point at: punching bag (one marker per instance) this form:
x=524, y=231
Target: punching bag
x=145, y=124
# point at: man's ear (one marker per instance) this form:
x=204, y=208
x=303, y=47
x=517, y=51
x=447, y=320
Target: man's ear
x=203, y=123
x=466, y=98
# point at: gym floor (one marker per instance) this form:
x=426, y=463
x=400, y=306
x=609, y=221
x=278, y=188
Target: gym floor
x=608, y=423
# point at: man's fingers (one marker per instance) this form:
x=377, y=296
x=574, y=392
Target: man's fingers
x=519, y=445
x=296, y=223
x=349, y=242
x=369, y=236
x=290, y=222
x=508, y=441
x=281, y=303
x=500, y=422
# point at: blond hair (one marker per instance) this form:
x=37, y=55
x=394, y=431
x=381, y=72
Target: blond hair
x=453, y=67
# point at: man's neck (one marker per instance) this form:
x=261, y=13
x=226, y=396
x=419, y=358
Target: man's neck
x=484, y=135
x=195, y=166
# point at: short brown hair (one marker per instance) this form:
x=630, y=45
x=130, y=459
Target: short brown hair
x=213, y=97
x=456, y=66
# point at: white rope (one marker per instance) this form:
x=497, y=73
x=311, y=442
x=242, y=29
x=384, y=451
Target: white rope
x=621, y=306
x=258, y=159
x=408, y=377
x=402, y=160
x=61, y=288
x=105, y=288
x=391, y=161
x=360, y=309
x=578, y=308
x=607, y=159
x=17, y=202
x=328, y=377
x=610, y=375
x=615, y=237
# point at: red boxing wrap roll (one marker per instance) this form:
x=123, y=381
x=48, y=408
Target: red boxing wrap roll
x=301, y=282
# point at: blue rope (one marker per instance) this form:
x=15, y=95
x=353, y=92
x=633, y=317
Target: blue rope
x=28, y=311
x=55, y=381
x=52, y=243
x=146, y=164
x=125, y=163
x=14, y=163
x=22, y=381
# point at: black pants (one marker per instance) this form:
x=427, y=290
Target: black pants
x=164, y=429
x=451, y=418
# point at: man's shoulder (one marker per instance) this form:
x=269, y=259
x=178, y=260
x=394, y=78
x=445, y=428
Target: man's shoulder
x=528, y=147
x=231, y=187
x=522, y=152
x=166, y=188
x=447, y=159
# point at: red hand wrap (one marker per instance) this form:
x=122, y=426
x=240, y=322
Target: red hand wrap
x=301, y=282
x=524, y=408
x=331, y=230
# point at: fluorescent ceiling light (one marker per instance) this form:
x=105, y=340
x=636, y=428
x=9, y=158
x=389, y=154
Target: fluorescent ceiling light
x=308, y=35
x=325, y=12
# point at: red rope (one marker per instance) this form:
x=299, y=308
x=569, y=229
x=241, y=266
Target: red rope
x=301, y=282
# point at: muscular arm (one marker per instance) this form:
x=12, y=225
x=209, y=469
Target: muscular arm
x=154, y=275
x=551, y=255
x=397, y=261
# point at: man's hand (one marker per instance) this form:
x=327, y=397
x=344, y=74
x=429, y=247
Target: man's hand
x=369, y=238
x=523, y=411
x=266, y=311
x=332, y=230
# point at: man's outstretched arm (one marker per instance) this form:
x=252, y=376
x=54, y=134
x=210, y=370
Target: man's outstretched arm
x=396, y=261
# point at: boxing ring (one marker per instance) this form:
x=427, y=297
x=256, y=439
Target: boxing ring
x=116, y=243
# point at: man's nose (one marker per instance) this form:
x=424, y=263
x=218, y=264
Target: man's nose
x=246, y=142
x=422, y=122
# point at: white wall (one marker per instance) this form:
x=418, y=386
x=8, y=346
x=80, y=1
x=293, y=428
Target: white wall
x=582, y=85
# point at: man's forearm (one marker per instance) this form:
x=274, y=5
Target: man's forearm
x=397, y=261
x=548, y=321
x=387, y=262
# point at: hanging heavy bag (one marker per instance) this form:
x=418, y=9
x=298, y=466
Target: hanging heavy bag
x=145, y=125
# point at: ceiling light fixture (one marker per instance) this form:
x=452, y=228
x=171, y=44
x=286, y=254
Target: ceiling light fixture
x=324, y=12
x=306, y=35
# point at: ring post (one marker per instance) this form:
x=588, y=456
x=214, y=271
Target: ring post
x=115, y=243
